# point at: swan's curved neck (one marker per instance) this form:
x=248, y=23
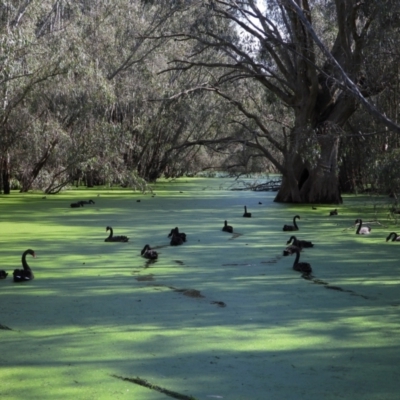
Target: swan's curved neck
x=294, y=221
x=359, y=226
x=24, y=262
x=111, y=232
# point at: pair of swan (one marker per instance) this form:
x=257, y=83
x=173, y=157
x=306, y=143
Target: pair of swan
x=177, y=238
x=81, y=203
x=293, y=227
x=112, y=238
x=228, y=228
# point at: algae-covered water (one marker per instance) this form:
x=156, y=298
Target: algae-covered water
x=223, y=316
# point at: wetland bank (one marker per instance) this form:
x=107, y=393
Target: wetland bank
x=221, y=316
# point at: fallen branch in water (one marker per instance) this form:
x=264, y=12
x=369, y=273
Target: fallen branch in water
x=142, y=382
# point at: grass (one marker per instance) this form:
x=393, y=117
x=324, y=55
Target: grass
x=97, y=310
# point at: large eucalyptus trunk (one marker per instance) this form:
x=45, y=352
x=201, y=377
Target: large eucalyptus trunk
x=321, y=184
x=303, y=183
x=5, y=175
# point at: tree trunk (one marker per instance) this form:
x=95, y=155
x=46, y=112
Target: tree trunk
x=5, y=175
x=304, y=184
x=89, y=179
x=322, y=185
x=289, y=192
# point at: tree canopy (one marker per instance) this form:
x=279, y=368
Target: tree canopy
x=126, y=92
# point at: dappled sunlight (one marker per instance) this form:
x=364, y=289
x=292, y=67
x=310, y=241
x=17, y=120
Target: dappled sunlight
x=221, y=315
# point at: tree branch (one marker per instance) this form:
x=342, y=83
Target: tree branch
x=351, y=86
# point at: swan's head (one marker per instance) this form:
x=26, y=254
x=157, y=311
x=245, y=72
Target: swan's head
x=31, y=252
x=108, y=228
x=291, y=238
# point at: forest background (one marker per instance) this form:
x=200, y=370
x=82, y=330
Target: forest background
x=124, y=92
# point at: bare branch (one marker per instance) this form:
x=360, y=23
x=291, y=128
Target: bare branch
x=350, y=85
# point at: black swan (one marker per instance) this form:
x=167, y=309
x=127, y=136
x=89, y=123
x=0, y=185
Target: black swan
x=3, y=274
x=76, y=205
x=149, y=253
x=176, y=238
x=291, y=249
x=246, y=214
x=87, y=202
x=26, y=274
x=299, y=243
x=227, y=228
x=362, y=230
x=175, y=231
x=112, y=238
x=293, y=227
x=396, y=237
x=334, y=212
x=303, y=267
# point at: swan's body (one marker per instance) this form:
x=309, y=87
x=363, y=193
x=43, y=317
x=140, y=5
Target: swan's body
x=293, y=227
x=25, y=274
x=334, y=212
x=3, y=274
x=149, y=253
x=396, y=237
x=227, y=228
x=362, y=230
x=175, y=231
x=112, y=238
x=303, y=267
x=299, y=243
x=76, y=205
x=246, y=214
x=176, y=237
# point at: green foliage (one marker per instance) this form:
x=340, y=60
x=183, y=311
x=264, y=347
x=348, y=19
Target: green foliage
x=124, y=92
